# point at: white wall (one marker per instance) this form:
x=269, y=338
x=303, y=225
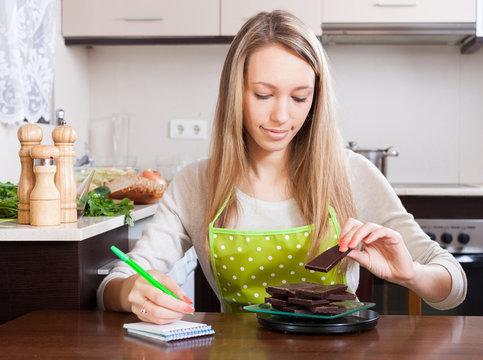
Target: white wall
x=155, y=84
x=422, y=100
x=70, y=93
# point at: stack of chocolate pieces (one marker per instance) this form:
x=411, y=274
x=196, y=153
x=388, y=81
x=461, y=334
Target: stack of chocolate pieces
x=308, y=298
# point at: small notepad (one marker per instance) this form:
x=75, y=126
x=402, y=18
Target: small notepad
x=177, y=330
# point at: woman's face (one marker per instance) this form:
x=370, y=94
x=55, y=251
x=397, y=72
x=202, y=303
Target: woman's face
x=278, y=93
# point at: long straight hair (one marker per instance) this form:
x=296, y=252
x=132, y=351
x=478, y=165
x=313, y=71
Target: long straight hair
x=317, y=161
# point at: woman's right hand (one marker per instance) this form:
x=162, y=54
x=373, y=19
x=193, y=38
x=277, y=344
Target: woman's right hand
x=153, y=305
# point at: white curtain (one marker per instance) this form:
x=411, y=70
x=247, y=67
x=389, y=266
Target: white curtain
x=27, y=46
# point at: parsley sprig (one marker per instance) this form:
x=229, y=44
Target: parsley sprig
x=99, y=204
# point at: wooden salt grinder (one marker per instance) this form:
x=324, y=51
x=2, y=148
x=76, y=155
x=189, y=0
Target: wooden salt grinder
x=44, y=198
x=64, y=137
x=29, y=135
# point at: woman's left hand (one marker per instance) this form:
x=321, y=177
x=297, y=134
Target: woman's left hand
x=383, y=251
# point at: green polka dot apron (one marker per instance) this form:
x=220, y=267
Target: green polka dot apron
x=245, y=262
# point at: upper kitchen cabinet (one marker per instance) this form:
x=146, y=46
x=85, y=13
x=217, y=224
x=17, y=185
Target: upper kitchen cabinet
x=234, y=12
x=398, y=11
x=139, y=19
x=425, y=22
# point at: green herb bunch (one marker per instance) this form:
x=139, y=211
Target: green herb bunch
x=8, y=201
x=98, y=204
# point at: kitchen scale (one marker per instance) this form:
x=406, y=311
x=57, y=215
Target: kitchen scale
x=357, y=318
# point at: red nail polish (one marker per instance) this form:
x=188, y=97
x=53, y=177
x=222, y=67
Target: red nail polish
x=188, y=309
x=187, y=300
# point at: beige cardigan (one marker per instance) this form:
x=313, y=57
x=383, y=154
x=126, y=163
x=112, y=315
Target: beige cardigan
x=178, y=225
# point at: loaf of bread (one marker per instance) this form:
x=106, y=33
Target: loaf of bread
x=137, y=188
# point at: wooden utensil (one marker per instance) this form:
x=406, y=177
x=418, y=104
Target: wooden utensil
x=44, y=198
x=64, y=137
x=29, y=135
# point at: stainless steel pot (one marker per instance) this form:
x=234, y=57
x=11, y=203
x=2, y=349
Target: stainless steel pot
x=376, y=156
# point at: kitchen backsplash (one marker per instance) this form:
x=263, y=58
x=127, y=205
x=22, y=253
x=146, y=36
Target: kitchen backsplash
x=422, y=100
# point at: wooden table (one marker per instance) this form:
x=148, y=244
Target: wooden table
x=69, y=334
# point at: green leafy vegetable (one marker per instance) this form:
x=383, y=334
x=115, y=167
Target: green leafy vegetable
x=101, y=191
x=8, y=201
x=98, y=204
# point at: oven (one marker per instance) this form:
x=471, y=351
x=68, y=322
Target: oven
x=464, y=239
x=456, y=223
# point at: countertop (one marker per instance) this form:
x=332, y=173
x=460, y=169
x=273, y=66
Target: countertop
x=85, y=227
x=428, y=189
x=58, y=334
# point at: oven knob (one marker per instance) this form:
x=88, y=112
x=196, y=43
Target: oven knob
x=463, y=238
x=446, y=238
x=431, y=235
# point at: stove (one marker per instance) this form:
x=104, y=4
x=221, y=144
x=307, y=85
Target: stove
x=451, y=215
x=463, y=238
x=458, y=236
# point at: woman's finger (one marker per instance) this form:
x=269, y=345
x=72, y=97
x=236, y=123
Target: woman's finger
x=149, y=302
x=383, y=233
x=151, y=312
x=170, y=284
x=348, y=229
x=361, y=233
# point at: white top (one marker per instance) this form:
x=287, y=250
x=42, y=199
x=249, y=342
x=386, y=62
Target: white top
x=179, y=224
x=84, y=228
x=420, y=189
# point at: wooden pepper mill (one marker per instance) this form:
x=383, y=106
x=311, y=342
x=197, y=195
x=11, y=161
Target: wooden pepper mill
x=29, y=135
x=44, y=198
x=64, y=137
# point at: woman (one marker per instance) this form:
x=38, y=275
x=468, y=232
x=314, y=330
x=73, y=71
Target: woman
x=270, y=197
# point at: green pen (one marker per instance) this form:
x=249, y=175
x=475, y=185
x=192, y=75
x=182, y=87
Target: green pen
x=142, y=272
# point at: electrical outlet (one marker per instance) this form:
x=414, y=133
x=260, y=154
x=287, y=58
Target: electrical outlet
x=187, y=129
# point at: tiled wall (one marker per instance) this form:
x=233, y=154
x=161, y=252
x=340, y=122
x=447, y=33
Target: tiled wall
x=422, y=100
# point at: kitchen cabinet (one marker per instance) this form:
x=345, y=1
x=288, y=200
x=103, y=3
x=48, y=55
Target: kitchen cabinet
x=59, y=267
x=398, y=11
x=111, y=22
x=234, y=13
x=139, y=19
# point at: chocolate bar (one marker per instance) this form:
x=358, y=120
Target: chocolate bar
x=286, y=290
x=319, y=291
x=276, y=301
x=307, y=302
x=341, y=296
x=308, y=298
x=327, y=260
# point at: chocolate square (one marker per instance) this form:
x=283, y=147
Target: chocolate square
x=276, y=301
x=341, y=296
x=327, y=260
x=307, y=302
x=286, y=290
x=319, y=291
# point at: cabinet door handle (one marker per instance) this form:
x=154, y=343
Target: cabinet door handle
x=142, y=18
x=105, y=269
x=394, y=4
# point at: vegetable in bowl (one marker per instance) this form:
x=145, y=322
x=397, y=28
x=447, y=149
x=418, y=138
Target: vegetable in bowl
x=8, y=201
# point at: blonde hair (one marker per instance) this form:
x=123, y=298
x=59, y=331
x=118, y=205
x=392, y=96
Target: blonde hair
x=317, y=162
